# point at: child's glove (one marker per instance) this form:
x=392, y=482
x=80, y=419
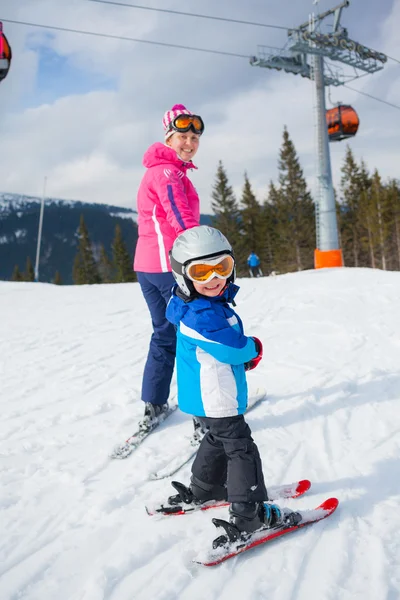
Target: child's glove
x=248, y=366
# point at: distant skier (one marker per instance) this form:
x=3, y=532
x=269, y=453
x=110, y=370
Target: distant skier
x=213, y=355
x=254, y=265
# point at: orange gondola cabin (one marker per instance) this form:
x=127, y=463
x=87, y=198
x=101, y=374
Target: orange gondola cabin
x=342, y=122
x=5, y=54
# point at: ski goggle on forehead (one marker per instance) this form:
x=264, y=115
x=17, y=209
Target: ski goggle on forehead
x=184, y=123
x=202, y=271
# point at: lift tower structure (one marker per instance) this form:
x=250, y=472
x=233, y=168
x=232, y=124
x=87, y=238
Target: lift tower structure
x=305, y=55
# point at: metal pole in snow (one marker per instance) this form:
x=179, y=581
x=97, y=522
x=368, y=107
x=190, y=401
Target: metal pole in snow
x=40, y=231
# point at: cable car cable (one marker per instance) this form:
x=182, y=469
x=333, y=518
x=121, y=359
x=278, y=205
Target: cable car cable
x=129, y=39
x=395, y=59
x=373, y=97
x=126, y=39
x=227, y=20
x=212, y=17
x=165, y=44
x=177, y=12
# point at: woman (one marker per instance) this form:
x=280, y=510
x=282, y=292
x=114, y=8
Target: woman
x=167, y=204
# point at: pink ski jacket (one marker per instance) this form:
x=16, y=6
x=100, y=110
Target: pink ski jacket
x=167, y=204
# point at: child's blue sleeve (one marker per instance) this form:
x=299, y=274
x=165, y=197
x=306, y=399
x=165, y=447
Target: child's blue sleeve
x=221, y=338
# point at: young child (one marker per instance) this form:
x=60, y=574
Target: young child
x=167, y=204
x=213, y=354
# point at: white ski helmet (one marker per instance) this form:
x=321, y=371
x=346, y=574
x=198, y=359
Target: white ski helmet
x=194, y=244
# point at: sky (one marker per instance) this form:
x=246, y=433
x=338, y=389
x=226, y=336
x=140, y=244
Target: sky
x=82, y=110
x=73, y=524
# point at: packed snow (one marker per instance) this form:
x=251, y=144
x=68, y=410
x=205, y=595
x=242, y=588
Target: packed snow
x=73, y=524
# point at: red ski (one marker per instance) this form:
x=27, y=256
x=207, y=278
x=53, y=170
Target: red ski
x=222, y=553
x=277, y=492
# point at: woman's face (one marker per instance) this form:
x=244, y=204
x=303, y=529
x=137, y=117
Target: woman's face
x=184, y=144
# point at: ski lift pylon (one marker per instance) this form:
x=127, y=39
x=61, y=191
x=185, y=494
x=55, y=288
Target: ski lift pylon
x=342, y=122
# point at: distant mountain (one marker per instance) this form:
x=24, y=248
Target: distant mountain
x=19, y=223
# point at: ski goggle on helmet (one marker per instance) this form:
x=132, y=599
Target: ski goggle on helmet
x=184, y=123
x=198, y=255
x=205, y=269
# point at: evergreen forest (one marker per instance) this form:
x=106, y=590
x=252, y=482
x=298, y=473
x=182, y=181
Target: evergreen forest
x=280, y=229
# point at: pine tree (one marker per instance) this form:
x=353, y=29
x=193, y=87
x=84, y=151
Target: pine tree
x=252, y=225
x=381, y=212
x=85, y=268
x=369, y=217
x=365, y=218
x=393, y=196
x=270, y=231
x=354, y=186
x=17, y=275
x=226, y=210
x=105, y=266
x=121, y=259
x=294, y=212
x=57, y=278
x=29, y=274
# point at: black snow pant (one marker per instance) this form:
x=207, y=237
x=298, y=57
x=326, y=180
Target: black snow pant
x=228, y=456
x=254, y=271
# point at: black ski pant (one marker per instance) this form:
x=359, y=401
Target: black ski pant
x=254, y=272
x=228, y=456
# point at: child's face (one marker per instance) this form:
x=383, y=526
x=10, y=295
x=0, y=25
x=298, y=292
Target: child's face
x=212, y=288
x=184, y=144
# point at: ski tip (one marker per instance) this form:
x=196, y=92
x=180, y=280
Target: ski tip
x=116, y=453
x=330, y=505
x=303, y=486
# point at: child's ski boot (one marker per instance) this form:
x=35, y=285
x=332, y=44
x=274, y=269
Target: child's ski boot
x=249, y=517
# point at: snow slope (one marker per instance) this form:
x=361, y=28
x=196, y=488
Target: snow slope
x=72, y=522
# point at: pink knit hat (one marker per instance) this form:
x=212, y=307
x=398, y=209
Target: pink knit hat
x=170, y=115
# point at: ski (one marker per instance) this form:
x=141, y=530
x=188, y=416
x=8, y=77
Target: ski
x=193, y=443
x=234, y=543
x=125, y=449
x=291, y=490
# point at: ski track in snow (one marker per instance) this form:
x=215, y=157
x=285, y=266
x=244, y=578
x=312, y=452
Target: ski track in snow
x=72, y=521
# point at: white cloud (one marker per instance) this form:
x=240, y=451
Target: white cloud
x=90, y=145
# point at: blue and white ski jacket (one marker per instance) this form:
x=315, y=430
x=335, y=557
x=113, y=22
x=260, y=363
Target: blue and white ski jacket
x=210, y=355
